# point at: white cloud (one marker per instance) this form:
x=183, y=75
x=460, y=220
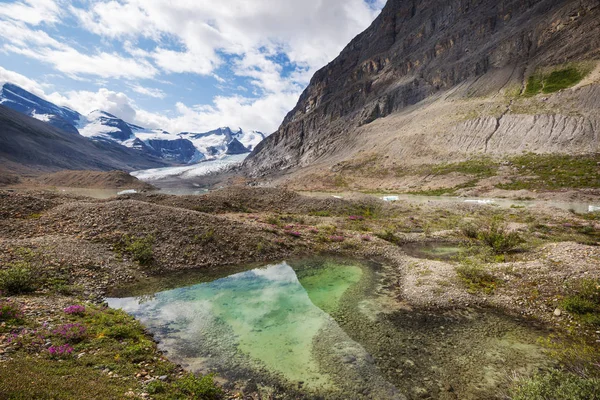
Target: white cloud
x=151, y=92
x=33, y=12
x=249, y=39
x=115, y=103
x=22, y=81
x=38, y=45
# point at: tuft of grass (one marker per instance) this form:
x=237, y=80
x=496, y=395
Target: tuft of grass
x=562, y=79
x=558, y=79
x=534, y=86
x=18, y=279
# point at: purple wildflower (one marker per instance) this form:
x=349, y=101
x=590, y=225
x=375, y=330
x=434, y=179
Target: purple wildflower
x=70, y=332
x=60, y=351
x=294, y=233
x=10, y=311
x=75, y=310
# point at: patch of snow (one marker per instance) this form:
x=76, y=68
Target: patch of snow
x=41, y=117
x=390, y=198
x=128, y=191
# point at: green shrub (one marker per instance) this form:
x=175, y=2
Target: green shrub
x=203, y=388
x=477, y=279
x=18, y=279
x=141, y=249
x=470, y=231
x=584, y=303
x=156, y=387
x=578, y=305
x=557, y=385
x=499, y=239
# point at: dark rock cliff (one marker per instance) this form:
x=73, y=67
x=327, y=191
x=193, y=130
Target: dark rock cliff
x=416, y=49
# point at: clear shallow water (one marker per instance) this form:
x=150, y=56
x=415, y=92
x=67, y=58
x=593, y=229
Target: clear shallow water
x=319, y=328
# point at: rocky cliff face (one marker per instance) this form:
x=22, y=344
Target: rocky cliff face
x=417, y=52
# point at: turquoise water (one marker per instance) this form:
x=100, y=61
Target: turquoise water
x=262, y=321
x=332, y=329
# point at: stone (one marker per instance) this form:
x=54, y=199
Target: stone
x=557, y=312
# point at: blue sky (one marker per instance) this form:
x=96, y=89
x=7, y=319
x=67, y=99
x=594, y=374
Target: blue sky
x=179, y=65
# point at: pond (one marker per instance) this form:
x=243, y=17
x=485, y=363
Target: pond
x=329, y=328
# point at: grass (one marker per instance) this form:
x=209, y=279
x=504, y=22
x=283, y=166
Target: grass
x=557, y=385
x=555, y=171
x=553, y=81
x=114, y=341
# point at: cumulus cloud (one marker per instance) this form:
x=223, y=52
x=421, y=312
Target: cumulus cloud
x=274, y=45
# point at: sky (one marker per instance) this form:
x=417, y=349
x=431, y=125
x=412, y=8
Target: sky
x=177, y=65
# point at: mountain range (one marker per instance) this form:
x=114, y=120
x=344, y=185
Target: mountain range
x=101, y=126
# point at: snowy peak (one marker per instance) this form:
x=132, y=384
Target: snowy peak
x=19, y=99
x=102, y=125
x=185, y=147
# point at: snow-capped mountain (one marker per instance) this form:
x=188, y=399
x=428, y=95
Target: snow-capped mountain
x=19, y=99
x=185, y=147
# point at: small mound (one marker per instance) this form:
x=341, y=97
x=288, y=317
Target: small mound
x=94, y=179
x=8, y=179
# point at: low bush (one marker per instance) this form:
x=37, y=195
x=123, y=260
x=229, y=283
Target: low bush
x=10, y=311
x=499, y=239
x=18, y=279
x=141, y=249
x=390, y=236
x=477, y=278
x=203, y=388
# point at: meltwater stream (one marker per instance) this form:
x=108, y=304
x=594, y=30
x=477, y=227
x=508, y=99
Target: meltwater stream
x=301, y=327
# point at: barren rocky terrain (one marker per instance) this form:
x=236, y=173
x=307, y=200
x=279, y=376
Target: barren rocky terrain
x=79, y=248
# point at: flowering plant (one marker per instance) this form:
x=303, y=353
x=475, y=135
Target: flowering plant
x=10, y=311
x=366, y=238
x=336, y=238
x=70, y=332
x=294, y=233
x=75, y=310
x=60, y=351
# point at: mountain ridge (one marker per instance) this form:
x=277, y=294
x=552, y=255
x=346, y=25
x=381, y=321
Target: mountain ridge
x=447, y=62
x=99, y=125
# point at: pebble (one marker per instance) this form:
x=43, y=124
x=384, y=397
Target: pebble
x=557, y=312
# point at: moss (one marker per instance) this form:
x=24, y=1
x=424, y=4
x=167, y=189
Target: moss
x=584, y=301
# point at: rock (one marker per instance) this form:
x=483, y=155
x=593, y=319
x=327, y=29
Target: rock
x=163, y=378
x=557, y=312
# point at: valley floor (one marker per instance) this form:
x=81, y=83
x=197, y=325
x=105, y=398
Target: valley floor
x=538, y=265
